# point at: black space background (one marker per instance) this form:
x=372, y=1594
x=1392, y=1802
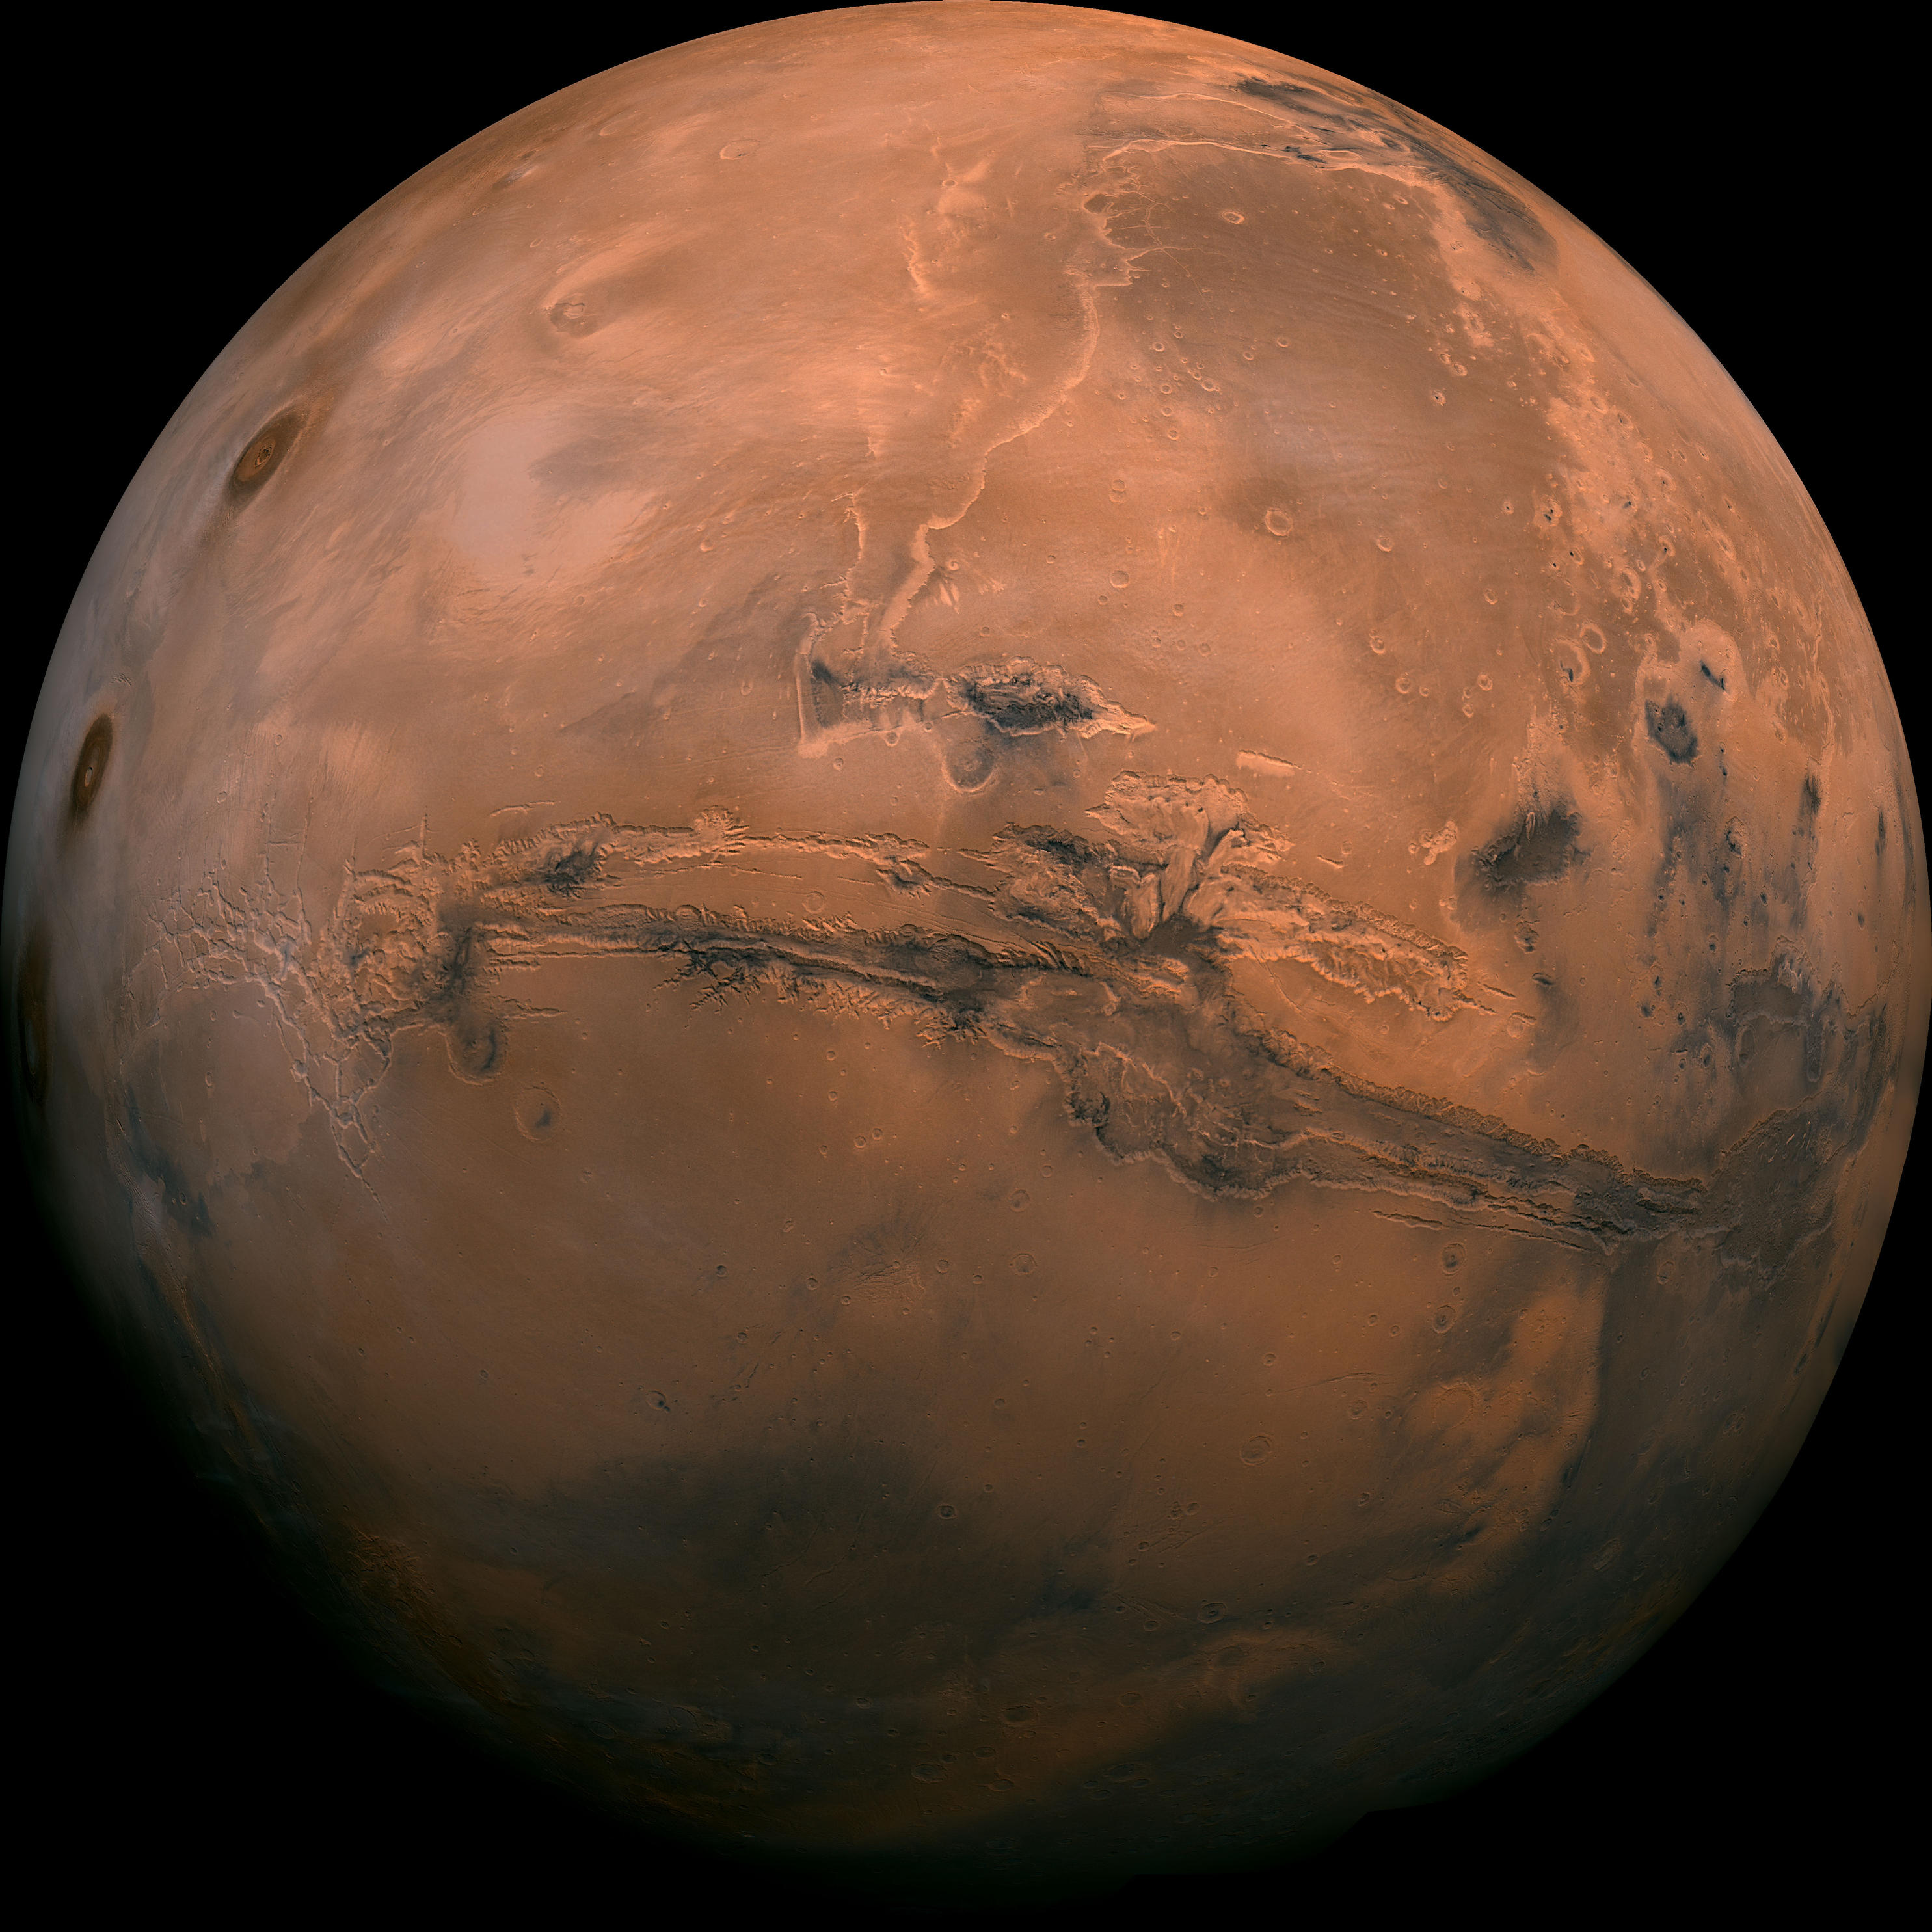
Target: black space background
x=190, y=1744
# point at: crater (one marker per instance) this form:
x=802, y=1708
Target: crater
x=969, y=766
x=537, y=1110
x=478, y=1049
x=263, y=457
x=90, y=768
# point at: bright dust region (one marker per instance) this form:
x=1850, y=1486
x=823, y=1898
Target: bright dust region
x=990, y=944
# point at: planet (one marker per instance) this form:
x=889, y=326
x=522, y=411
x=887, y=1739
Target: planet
x=988, y=944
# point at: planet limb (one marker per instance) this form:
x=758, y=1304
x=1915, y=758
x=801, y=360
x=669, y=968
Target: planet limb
x=987, y=943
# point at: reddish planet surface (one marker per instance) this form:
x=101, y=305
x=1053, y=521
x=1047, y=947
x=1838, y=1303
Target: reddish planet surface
x=990, y=943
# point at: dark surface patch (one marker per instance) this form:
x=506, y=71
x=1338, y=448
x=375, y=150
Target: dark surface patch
x=453, y=970
x=1910, y=862
x=1729, y=875
x=90, y=768
x=567, y=873
x=1502, y=219
x=31, y=1029
x=186, y=1206
x=586, y=466
x=1810, y=798
x=828, y=693
x=1711, y=676
x=1367, y=136
x=1015, y=699
x=1064, y=848
x=1022, y=699
x=728, y=1535
x=1282, y=93
x=1878, y=844
x=266, y=453
x=1539, y=847
x=453, y=976
x=794, y=1596
x=1671, y=728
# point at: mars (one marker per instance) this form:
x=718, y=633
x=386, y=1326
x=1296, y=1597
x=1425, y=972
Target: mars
x=990, y=945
